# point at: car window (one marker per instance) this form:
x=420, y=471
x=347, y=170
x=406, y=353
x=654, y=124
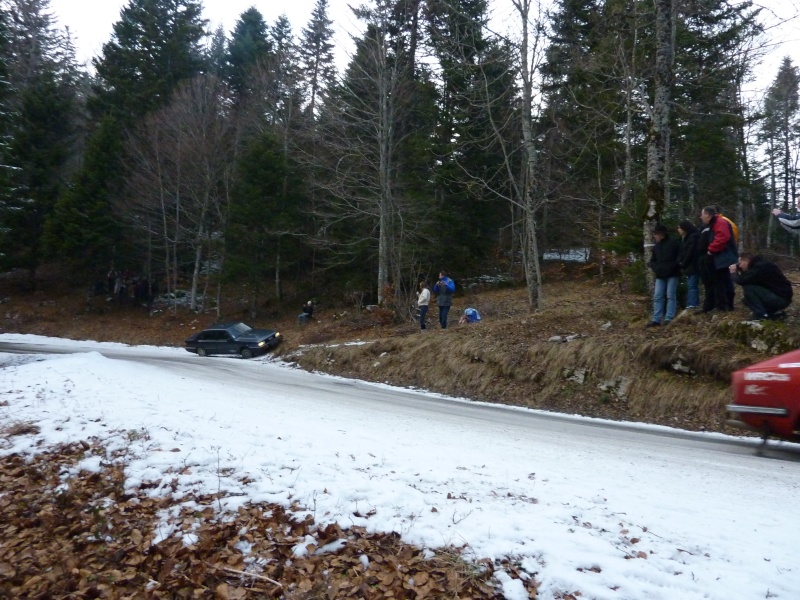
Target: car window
x=239, y=329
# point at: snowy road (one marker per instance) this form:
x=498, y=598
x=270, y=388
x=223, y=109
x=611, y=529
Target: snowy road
x=612, y=511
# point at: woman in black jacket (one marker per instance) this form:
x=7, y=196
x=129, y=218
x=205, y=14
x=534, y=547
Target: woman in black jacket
x=687, y=259
x=664, y=263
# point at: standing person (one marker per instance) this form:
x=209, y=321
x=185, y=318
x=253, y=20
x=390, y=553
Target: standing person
x=423, y=298
x=729, y=287
x=111, y=280
x=721, y=254
x=152, y=292
x=734, y=228
x=764, y=286
x=706, y=269
x=444, y=289
x=664, y=263
x=687, y=259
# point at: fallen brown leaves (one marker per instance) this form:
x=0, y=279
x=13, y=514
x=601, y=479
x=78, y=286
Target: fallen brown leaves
x=81, y=535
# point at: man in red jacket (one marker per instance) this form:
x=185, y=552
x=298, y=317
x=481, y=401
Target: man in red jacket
x=721, y=254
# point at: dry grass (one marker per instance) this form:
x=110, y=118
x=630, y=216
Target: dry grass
x=18, y=428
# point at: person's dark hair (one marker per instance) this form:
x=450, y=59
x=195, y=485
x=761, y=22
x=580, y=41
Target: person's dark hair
x=661, y=228
x=423, y=283
x=443, y=273
x=687, y=226
x=748, y=256
x=710, y=211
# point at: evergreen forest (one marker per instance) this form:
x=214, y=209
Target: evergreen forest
x=198, y=157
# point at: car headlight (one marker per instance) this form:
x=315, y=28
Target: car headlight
x=278, y=334
x=261, y=343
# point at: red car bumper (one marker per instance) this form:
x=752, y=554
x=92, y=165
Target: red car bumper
x=767, y=397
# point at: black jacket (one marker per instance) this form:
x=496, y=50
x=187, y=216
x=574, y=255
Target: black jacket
x=664, y=261
x=687, y=257
x=766, y=274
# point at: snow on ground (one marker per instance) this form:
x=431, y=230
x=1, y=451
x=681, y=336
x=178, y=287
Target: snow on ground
x=630, y=520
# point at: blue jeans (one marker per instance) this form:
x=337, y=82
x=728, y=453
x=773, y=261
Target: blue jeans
x=693, y=293
x=423, y=312
x=443, y=310
x=669, y=288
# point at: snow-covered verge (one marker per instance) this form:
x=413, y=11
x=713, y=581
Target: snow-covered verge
x=625, y=522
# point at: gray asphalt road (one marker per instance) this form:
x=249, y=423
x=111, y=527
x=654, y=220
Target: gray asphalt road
x=409, y=403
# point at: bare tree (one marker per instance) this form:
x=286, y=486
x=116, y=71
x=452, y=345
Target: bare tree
x=181, y=168
x=360, y=164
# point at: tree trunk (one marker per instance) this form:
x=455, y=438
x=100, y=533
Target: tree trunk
x=531, y=248
x=657, y=142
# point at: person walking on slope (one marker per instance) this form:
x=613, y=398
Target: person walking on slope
x=444, y=289
x=423, y=298
x=687, y=259
x=764, y=286
x=664, y=263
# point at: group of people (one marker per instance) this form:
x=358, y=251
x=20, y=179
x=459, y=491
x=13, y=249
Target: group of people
x=125, y=288
x=443, y=290
x=709, y=254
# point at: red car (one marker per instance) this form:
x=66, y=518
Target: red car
x=767, y=397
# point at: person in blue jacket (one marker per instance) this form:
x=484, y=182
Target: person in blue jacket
x=471, y=315
x=444, y=290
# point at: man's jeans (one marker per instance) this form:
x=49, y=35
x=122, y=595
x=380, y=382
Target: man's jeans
x=762, y=301
x=669, y=288
x=443, y=310
x=693, y=291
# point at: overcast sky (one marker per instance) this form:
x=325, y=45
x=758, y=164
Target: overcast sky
x=91, y=21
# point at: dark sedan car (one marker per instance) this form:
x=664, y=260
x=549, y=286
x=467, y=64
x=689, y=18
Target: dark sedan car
x=232, y=338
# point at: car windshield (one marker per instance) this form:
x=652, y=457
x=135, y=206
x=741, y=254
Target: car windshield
x=239, y=329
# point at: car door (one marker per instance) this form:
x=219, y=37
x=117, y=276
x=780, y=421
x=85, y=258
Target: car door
x=206, y=341
x=226, y=343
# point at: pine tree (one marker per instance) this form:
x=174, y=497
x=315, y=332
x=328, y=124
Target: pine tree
x=367, y=212
x=216, y=54
x=155, y=45
x=41, y=131
x=248, y=47
x=266, y=217
x=316, y=56
x=5, y=117
x=83, y=226
x=476, y=96
x=782, y=128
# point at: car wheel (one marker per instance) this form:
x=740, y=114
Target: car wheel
x=247, y=353
x=202, y=352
